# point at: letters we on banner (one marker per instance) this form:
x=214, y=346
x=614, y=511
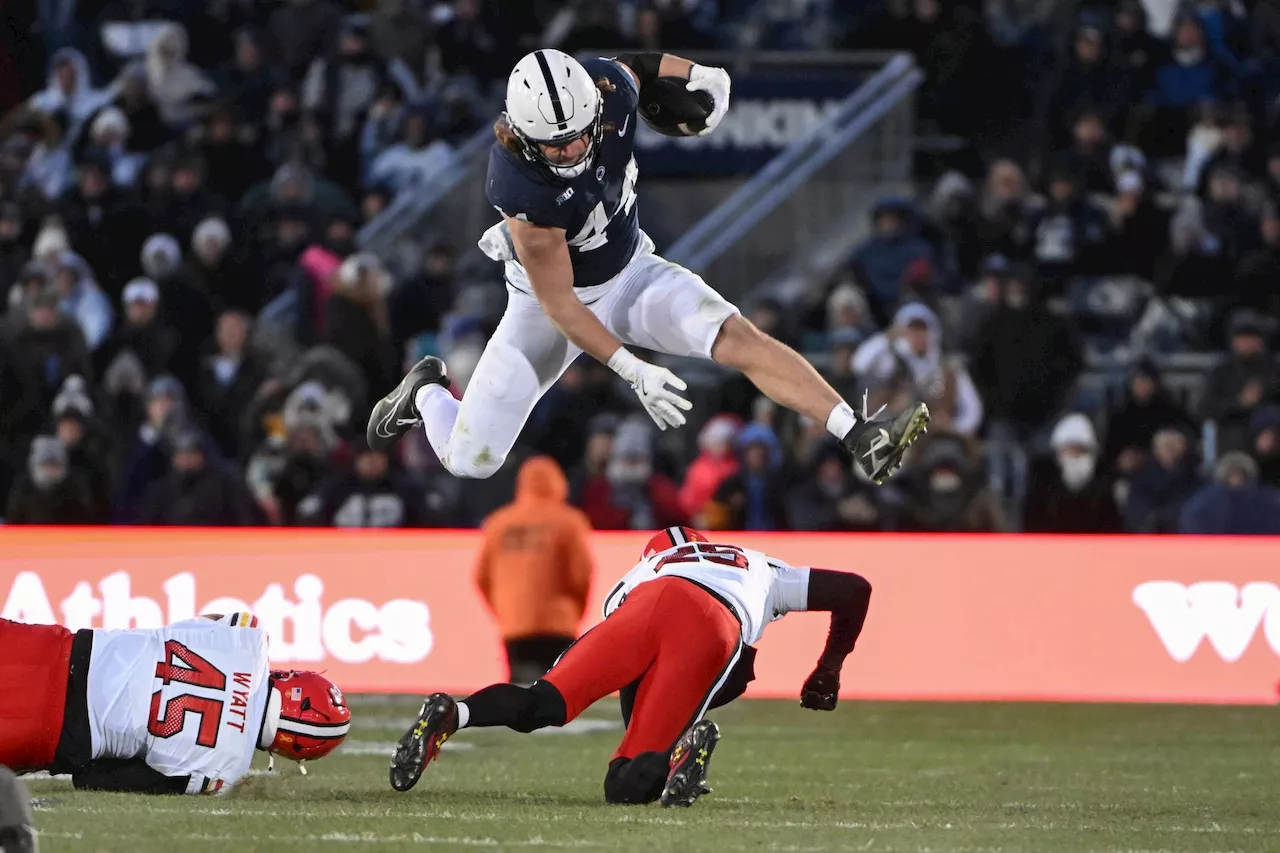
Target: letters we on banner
x=952, y=617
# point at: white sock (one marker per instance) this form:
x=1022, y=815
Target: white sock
x=464, y=715
x=438, y=411
x=841, y=420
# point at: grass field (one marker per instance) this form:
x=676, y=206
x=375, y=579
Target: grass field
x=870, y=776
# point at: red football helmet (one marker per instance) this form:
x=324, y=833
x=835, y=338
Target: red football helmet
x=313, y=717
x=672, y=537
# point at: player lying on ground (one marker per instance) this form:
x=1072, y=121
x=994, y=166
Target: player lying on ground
x=178, y=710
x=676, y=640
x=582, y=277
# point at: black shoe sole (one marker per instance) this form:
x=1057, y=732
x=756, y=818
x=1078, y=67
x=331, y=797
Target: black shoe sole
x=917, y=425
x=688, y=780
x=420, y=745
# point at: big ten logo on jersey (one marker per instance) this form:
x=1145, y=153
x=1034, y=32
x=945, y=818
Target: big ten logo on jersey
x=619, y=199
x=182, y=671
x=705, y=552
x=303, y=627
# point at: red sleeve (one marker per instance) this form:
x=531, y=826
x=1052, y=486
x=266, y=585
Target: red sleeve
x=847, y=597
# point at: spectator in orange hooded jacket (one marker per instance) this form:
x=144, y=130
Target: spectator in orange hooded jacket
x=535, y=569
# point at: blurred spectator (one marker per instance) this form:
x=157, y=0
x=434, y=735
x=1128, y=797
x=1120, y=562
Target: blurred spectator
x=189, y=201
x=140, y=332
x=303, y=31
x=70, y=91
x=417, y=303
x=714, y=464
x=844, y=343
x=1233, y=504
x=82, y=300
x=1146, y=408
x=467, y=44
x=147, y=460
x=13, y=253
x=1139, y=229
x=947, y=492
x=753, y=498
x=1089, y=155
x=216, y=271
x=229, y=377
x=562, y=420
x=1163, y=484
x=179, y=90
x=356, y=322
x=147, y=131
x=183, y=305
x=1069, y=232
x=1259, y=269
x=1025, y=358
x=1195, y=258
x=249, y=79
x=881, y=262
x=1246, y=380
x=197, y=491
x=372, y=494
x=618, y=488
x=413, y=160
x=1004, y=208
x=906, y=363
x=50, y=492
x=1089, y=78
x=102, y=221
x=399, y=30
x=51, y=343
x=1188, y=74
x=1066, y=492
x=291, y=463
x=1266, y=443
x=830, y=497
x=89, y=450
x=535, y=569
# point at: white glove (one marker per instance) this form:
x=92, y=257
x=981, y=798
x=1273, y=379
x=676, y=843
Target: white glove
x=715, y=82
x=650, y=382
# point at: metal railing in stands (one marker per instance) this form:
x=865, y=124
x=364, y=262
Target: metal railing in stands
x=404, y=218
x=789, y=207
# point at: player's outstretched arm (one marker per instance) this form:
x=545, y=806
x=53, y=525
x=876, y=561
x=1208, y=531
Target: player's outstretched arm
x=846, y=596
x=127, y=776
x=544, y=253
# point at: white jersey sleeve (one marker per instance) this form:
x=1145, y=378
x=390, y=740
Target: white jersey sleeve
x=756, y=586
x=189, y=698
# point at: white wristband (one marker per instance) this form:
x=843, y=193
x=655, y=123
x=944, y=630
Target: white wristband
x=623, y=363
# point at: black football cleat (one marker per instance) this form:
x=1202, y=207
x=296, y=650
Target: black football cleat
x=437, y=720
x=687, y=779
x=396, y=413
x=878, y=443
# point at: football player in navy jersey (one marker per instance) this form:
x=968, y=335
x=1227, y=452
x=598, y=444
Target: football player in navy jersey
x=583, y=277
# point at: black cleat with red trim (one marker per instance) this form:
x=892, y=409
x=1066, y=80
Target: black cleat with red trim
x=690, y=758
x=437, y=720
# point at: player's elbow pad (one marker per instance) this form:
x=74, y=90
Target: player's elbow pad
x=645, y=65
x=837, y=591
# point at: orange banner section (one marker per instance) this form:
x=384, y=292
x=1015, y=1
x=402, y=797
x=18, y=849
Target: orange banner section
x=952, y=617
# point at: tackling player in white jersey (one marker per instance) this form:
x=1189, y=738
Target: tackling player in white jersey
x=582, y=276
x=175, y=710
x=676, y=641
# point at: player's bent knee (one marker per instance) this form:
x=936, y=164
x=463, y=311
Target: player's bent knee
x=635, y=781
x=544, y=706
x=469, y=465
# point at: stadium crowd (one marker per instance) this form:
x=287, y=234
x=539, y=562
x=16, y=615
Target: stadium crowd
x=189, y=333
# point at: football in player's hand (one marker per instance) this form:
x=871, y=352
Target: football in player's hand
x=672, y=110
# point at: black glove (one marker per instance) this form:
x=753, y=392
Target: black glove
x=821, y=689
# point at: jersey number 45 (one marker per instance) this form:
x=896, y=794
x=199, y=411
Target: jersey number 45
x=724, y=555
x=184, y=666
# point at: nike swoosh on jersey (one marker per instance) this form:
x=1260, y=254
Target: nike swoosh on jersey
x=623, y=132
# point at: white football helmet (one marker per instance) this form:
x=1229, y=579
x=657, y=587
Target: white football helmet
x=551, y=100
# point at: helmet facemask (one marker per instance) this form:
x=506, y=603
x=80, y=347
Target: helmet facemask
x=533, y=152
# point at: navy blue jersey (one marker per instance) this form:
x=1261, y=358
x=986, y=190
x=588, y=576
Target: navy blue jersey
x=597, y=209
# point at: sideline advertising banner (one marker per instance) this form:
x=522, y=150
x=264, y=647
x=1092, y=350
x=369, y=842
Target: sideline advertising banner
x=1126, y=618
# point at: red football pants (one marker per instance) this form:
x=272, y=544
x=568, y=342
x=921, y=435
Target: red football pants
x=34, y=662
x=672, y=635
